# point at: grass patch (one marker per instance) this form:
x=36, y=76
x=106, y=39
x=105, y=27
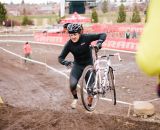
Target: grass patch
x=38, y=19
x=109, y=17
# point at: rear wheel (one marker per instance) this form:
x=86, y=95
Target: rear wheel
x=87, y=88
x=111, y=92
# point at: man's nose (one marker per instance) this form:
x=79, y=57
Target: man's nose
x=73, y=36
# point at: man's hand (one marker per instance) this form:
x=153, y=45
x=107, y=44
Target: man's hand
x=68, y=63
x=98, y=46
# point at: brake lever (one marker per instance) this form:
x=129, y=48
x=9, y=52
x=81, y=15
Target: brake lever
x=118, y=55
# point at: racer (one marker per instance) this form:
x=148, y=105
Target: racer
x=79, y=46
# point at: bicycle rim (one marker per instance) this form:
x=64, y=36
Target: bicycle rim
x=84, y=87
x=111, y=92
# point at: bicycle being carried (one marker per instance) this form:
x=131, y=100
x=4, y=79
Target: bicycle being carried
x=98, y=81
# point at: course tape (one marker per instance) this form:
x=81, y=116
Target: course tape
x=34, y=61
x=21, y=41
x=65, y=75
x=17, y=35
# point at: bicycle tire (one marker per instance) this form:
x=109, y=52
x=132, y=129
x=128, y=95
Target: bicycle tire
x=83, y=90
x=112, y=89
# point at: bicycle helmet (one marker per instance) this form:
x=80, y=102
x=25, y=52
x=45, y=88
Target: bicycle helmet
x=74, y=28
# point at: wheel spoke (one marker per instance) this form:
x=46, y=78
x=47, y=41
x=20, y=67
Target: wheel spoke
x=88, y=81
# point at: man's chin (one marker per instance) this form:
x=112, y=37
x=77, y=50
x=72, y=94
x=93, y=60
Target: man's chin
x=74, y=41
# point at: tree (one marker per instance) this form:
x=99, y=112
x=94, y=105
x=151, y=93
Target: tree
x=26, y=21
x=121, y=14
x=3, y=13
x=105, y=6
x=24, y=11
x=11, y=23
x=94, y=16
x=135, y=16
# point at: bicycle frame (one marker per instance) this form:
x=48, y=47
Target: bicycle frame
x=100, y=80
x=98, y=69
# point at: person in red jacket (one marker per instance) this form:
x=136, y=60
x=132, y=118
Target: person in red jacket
x=27, y=50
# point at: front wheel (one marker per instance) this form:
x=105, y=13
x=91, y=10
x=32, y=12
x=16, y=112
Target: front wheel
x=88, y=86
x=111, y=91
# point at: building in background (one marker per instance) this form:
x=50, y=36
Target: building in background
x=78, y=7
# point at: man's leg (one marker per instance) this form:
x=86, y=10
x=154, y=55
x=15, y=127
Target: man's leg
x=25, y=57
x=29, y=56
x=74, y=78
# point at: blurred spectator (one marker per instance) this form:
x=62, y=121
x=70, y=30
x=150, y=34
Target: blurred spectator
x=65, y=27
x=27, y=50
x=134, y=34
x=148, y=49
x=127, y=34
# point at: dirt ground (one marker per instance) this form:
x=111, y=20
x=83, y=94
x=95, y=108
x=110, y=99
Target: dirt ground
x=37, y=98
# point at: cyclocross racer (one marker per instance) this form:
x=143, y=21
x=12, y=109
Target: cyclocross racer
x=79, y=46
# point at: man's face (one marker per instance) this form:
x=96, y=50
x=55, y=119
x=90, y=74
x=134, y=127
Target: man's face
x=74, y=37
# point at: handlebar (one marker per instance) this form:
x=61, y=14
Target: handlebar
x=92, y=46
x=116, y=54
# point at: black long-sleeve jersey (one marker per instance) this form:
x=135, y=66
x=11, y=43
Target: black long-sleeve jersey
x=81, y=50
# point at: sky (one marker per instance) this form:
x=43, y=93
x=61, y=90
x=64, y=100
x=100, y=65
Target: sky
x=28, y=1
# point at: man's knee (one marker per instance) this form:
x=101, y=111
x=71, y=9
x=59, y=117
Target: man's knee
x=73, y=86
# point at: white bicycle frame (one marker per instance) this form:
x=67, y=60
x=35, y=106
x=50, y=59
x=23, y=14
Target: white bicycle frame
x=102, y=79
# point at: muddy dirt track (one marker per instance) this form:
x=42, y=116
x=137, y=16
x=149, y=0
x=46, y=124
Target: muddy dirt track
x=38, y=98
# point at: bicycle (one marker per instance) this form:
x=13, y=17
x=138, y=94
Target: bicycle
x=98, y=80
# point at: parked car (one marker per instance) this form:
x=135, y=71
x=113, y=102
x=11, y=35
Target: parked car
x=58, y=28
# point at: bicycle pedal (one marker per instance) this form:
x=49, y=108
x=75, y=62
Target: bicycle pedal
x=94, y=93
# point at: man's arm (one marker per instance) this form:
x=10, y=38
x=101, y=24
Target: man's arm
x=101, y=37
x=64, y=53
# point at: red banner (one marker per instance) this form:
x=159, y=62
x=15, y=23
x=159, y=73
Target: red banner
x=51, y=38
x=119, y=44
x=115, y=36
